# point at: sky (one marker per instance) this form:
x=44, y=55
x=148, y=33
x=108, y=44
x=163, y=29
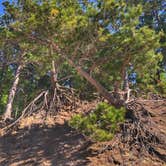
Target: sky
x=1, y=6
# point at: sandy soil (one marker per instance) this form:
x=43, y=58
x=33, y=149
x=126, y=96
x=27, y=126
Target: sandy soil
x=54, y=143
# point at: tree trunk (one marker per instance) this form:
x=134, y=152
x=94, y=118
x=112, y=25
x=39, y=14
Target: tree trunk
x=12, y=93
x=54, y=75
x=126, y=87
x=125, y=81
x=104, y=92
x=54, y=70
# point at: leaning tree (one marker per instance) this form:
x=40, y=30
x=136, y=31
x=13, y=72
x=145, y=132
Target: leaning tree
x=103, y=41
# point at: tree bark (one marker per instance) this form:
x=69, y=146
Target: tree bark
x=54, y=75
x=105, y=93
x=12, y=93
x=126, y=87
x=54, y=70
x=125, y=81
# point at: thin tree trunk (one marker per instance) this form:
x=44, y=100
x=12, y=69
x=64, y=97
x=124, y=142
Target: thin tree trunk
x=54, y=79
x=126, y=87
x=125, y=81
x=54, y=75
x=54, y=70
x=12, y=93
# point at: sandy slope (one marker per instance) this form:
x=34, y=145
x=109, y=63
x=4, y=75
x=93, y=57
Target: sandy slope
x=56, y=144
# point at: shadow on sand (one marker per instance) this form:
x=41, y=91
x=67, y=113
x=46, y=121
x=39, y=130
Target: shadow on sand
x=57, y=146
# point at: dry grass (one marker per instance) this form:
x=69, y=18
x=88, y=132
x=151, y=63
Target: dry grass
x=37, y=119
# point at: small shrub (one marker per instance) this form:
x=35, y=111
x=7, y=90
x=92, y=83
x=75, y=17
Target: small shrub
x=101, y=124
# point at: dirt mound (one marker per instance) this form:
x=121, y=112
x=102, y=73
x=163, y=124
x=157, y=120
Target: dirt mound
x=142, y=140
x=48, y=141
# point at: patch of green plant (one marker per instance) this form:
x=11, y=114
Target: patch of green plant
x=101, y=124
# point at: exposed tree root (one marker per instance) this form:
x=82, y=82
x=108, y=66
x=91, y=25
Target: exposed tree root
x=139, y=136
x=62, y=98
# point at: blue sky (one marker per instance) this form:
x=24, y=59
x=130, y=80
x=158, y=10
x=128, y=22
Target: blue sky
x=1, y=7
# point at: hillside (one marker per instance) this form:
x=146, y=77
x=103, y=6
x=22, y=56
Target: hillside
x=50, y=142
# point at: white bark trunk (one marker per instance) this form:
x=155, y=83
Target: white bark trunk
x=126, y=87
x=54, y=72
x=12, y=93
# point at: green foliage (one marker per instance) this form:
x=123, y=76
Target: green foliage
x=102, y=37
x=6, y=77
x=161, y=86
x=100, y=125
